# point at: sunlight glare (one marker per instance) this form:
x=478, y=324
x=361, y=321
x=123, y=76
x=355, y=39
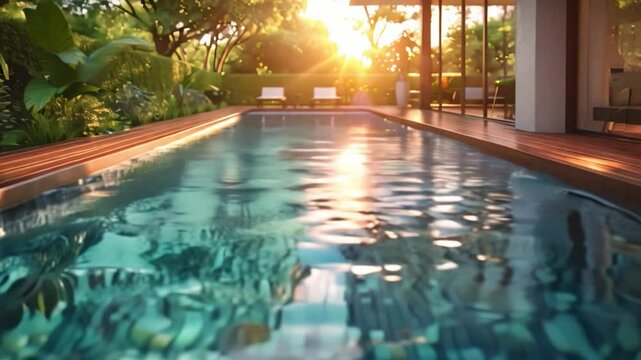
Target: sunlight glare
x=340, y=19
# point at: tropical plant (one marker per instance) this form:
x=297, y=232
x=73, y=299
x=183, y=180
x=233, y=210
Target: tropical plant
x=12, y=115
x=220, y=25
x=86, y=114
x=5, y=97
x=65, y=69
x=42, y=130
x=134, y=105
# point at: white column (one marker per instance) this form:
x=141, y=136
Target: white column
x=541, y=65
x=594, y=67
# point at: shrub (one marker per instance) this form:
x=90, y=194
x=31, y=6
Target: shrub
x=244, y=88
x=85, y=115
x=134, y=105
x=16, y=45
x=41, y=130
x=150, y=72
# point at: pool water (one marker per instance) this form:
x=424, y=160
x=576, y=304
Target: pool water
x=319, y=236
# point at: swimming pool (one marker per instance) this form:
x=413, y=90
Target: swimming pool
x=320, y=236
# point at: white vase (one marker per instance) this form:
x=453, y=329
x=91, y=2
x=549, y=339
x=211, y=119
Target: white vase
x=402, y=93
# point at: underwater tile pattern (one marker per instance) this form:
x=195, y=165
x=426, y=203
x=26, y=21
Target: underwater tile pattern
x=324, y=236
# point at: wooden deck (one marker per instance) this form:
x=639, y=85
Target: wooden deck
x=27, y=173
x=604, y=166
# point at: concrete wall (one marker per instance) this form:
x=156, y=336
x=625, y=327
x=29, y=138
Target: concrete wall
x=541, y=65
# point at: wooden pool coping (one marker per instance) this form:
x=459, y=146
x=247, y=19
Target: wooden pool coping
x=607, y=167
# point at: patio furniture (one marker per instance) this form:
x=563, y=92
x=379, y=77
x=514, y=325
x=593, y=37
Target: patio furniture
x=272, y=95
x=625, y=101
x=505, y=92
x=325, y=94
x=617, y=114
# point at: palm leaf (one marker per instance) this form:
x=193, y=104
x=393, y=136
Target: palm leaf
x=48, y=27
x=39, y=92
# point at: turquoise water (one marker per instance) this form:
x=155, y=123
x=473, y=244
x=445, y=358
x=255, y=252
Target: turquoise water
x=322, y=236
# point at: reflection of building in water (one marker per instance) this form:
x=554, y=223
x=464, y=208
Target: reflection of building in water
x=577, y=288
x=438, y=240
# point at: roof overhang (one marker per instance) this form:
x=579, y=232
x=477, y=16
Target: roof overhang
x=434, y=2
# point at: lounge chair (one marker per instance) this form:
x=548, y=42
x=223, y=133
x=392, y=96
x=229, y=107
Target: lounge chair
x=325, y=94
x=272, y=95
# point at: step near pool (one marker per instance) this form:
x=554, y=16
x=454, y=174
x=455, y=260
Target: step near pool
x=319, y=236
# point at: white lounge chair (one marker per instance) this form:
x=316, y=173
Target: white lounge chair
x=272, y=94
x=325, y=94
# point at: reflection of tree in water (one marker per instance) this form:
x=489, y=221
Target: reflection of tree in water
x=211, y=290
x=155, y=175
x=218, y=296
x=235, y=171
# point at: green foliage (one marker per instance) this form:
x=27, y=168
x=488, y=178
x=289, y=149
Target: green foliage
x=12, y=113
x=172, y=108
x=191, y=102
x=135, y=106
x=306, y=44
x=501, y=46
x=4, y=68
x=204, y=80
x=16, y=45
x=86, y=114
x=378, y=20
x=194, y=101
x=49, y=29
x=66, y=69
x=244, y=88
x=75, y=85
x=92, y=21
x=157, y=74
x=42, y=130
x=228, y=24
x=39, y=92
x=7, y=121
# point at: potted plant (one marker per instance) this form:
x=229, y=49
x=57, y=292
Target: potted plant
x=403, y=49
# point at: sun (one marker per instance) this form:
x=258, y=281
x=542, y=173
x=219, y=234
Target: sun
x=340, y=19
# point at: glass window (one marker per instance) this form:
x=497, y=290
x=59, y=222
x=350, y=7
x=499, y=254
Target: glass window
x=624, y=58
x=458, y=58
x=473, y=93
x=501, y=48
x=451, y=40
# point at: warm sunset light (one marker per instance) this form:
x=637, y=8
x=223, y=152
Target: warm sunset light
x=320, y=179
x=341, y=19
x=343, y=23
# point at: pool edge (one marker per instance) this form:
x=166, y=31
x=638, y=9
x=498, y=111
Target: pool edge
x=619, y=191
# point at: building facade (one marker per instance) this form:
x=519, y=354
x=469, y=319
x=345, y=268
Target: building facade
x=545, y=65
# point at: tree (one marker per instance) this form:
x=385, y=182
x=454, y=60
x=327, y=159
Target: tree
x=378, y=20
x=171, y=23
x=298, y=46
x=220, y=24
x=244, y=20
x=65, y=68
x=501, y=46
